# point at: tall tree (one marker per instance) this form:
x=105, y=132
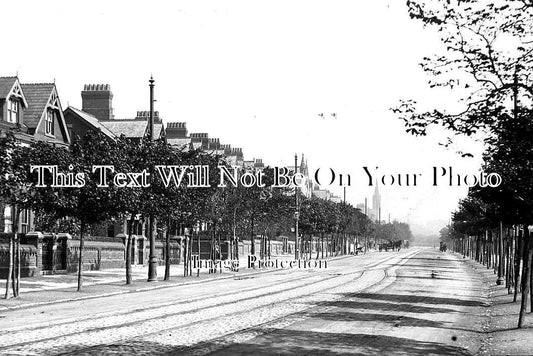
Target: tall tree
x=487, y=60
x=90, y=203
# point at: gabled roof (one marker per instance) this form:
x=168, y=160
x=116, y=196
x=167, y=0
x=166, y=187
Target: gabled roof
x=92, y=121
x=37, y=96
x=6, y=83
x=40, y=96
x=129, y=128
x=9, y=86
x=196, y=145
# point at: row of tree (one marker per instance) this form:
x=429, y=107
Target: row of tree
x=487, y=59
x=230, y=213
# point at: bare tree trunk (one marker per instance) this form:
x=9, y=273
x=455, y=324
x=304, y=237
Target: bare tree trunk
x=13, y=273
x=219, y=250
x=252, y=242
x=518, y=258
x=185, y=249
x=189, y=249
x=510, y=262
x=199, y=257
x=322, y=245
x=317, y=249
x=310, y=246
x=10, y=268
x=235, y=240
x=80, y=260
x=530, y=281
x=167, y=253
x=17, y=263
x=526, y=270
x=16, y=254
x=128, y=249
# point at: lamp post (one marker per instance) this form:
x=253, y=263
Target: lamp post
x=152, y=260
x=296, y=212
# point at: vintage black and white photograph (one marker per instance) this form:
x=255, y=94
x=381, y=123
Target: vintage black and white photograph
x=266, y=177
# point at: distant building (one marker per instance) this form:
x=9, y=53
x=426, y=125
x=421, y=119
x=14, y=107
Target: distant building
x=176, y=134
x=374, y=212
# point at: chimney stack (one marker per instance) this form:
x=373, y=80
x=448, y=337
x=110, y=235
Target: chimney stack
x=97, y=100
x=176, y=130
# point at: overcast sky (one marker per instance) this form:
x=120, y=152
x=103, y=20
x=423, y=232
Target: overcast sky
x=257, y=75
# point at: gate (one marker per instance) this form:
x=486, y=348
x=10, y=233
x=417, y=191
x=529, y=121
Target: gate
x=54, y=255
x=48, y=254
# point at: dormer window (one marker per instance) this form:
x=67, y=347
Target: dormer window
x=13, y=111
x=49, y=123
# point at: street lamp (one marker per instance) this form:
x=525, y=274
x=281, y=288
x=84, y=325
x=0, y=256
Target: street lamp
x=296, y=213
x=296, y=218
x=152, y=260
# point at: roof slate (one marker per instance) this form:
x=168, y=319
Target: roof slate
x=37, y=96
x=6, y=83
x=157, y=130
x=130, y=128
x=179, y=142
x=93, y=121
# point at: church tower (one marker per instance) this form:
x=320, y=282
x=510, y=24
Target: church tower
x=376, y=203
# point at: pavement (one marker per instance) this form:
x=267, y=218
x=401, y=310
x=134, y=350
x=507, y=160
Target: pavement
x=62, y=287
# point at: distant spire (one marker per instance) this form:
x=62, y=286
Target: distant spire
x=303, y=165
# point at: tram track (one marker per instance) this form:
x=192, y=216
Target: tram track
x=182, y=301
x=162, y=314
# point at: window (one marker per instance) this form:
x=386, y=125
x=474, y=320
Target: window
x=49, y=128
x=8, y=222
x=13, y=111
x=24, y=221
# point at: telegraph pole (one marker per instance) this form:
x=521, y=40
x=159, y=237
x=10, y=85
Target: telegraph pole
x=152, y=260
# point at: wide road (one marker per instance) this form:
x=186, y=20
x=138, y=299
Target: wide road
x=409, y=302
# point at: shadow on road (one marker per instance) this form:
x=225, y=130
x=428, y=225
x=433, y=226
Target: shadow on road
x=294, y=342
x=401, y=298
x=393, y=319
x=435, y=278
x=397, y=307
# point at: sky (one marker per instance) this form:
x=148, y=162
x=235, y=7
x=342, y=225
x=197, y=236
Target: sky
x=257, y=74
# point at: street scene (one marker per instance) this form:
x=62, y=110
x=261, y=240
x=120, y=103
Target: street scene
x=266, y=178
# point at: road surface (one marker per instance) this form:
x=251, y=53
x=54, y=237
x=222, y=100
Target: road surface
x=412, y=302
